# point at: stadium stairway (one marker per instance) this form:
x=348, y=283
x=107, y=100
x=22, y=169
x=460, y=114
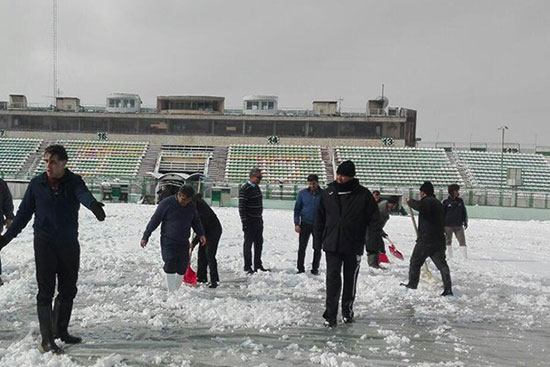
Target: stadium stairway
x=454, y=162
x=216, y=168
x=29, y=168
x=329, y=169
x=150, y=160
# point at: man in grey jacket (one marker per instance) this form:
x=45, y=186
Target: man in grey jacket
x=376, y=233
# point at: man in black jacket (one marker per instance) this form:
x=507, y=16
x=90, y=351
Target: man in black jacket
x=456, y=220
x=54, y=198
x=207, y=252
x=344, y=213
x=250, y=211
x=6, y=212
x=431, y=238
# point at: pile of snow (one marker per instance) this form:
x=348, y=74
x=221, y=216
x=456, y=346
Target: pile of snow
x=500, y=312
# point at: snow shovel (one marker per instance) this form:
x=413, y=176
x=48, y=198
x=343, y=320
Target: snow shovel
x=190, y=276
x=394, y=251
x=383, y=258
x=426, y=273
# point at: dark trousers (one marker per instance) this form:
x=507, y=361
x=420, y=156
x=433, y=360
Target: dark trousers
x=253, y=236
x=56, y=259
x=175, y=257
x=437, y=253
x=207, y=256
x=351, y=265
x=306, y=230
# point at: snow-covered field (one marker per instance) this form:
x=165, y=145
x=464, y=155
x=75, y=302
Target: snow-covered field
x=498, y=317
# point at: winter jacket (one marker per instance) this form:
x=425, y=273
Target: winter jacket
x=210, y=222
x=455, y=212
x=250, y=202
x=430, y=221
x=176, y=222
x=55, y=211
x=6, y=202
x=305, y=208
x=344, y=213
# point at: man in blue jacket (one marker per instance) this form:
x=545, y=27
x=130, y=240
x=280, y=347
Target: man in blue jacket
x=305, y=210
x=456, y=220
x=177, y=215
x=54, y=198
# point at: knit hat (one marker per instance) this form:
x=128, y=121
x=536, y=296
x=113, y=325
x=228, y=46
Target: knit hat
x=427, y=188
x=346, y=168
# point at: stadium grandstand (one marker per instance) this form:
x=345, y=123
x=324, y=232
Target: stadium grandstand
x=489, y=170
x=183, y=135
x=400, y=167
x=116, y=159
x=279, y=163
x=14, y=153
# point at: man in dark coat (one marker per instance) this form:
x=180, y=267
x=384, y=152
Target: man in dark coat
x=177, y=215
x=305, y=210
x=250, y=211
x=456, y=220
x=431, y=238
x=212, y=232
x=6, y=212
x=344, y=213
x=54, y=198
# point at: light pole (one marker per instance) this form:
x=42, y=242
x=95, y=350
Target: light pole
x=503, y=128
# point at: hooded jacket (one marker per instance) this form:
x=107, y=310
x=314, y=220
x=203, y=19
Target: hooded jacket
x=55, y=212
x=455, y=212
x=343, y=216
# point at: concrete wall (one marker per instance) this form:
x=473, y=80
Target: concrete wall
x=201, y=140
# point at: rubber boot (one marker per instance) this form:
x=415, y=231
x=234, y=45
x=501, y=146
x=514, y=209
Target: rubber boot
x=464, y=250
x=61, y=317
x=179, y=280
x=46, y=326
x=447, y=285
x=450, y=251
x=171, y=282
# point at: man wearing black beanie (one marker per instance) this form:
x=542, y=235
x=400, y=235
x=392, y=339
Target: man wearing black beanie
x=431, y=238
x=344, y=213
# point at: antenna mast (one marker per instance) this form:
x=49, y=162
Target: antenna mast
x=54, y=51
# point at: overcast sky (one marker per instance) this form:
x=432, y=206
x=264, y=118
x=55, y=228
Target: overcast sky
x=467, y=67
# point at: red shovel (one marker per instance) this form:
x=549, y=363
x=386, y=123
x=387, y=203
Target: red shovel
x=394, y=251
x=190, y=276
x=383, y=258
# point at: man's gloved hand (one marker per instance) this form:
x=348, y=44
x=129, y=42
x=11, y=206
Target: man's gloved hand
x=384, y=234
x=465, y=225
x=245, y=227
x=3, y=242
x=97, y=209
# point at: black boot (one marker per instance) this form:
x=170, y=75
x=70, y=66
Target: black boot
x=46, y=324
x=447, y=285
x=61, y=317
x=372, y=260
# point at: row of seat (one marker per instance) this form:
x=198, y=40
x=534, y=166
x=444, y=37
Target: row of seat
x=14, y=152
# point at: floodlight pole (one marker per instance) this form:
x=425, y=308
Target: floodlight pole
x=503, y=128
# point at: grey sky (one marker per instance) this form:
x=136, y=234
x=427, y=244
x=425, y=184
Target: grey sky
x=466, y=66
